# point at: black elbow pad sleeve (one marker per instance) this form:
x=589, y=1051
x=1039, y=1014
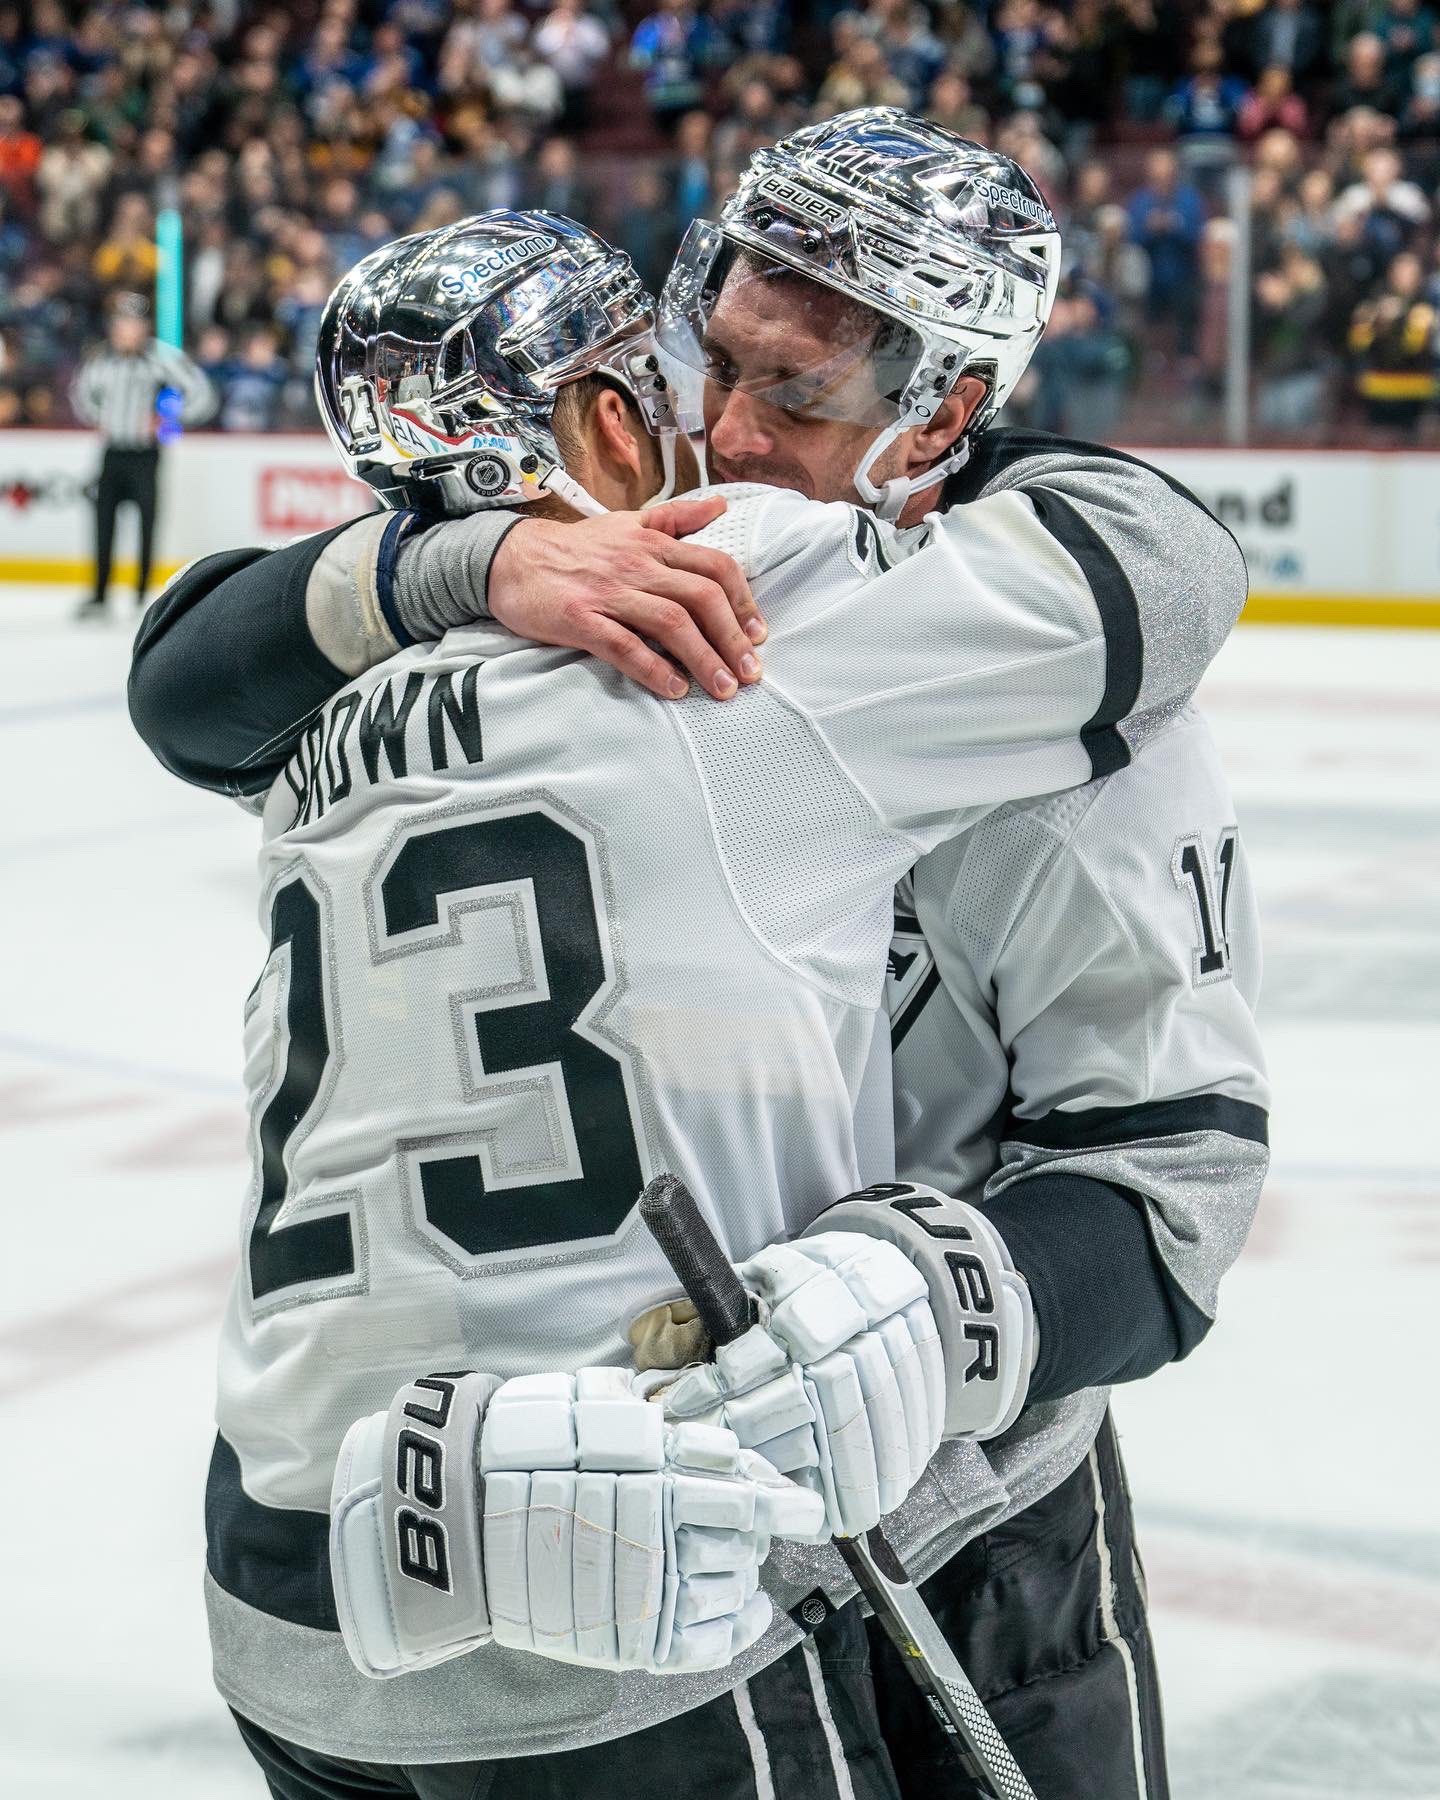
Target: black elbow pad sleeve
x=225, y=674
x=1107, y=1307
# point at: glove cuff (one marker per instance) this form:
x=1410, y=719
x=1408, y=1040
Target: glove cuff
x=981, y=1303
x=405, y=1544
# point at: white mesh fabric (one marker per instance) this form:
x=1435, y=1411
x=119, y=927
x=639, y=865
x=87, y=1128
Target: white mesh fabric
x=988, y=876
x=801, y=905
x=734, y=531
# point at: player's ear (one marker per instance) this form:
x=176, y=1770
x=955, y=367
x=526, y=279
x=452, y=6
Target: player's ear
x=930, y=441
x=613, y=431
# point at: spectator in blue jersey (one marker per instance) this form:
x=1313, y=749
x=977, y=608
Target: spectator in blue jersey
x=914, y=54
x=328, y=58
x=1166, y=219
x=645, y=231
x=751, y=26
x=554, y=183
x=693, y=183
x=50, y=34
x=1082, y=368
x=393, y=61
x=1204, y=110
x=212, y=356
x=254, y=384
x=1024, y=34
x=14, y=244
x=11, y=47
x=674, y=47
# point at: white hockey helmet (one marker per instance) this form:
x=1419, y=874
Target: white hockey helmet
x=440, y=357
x=950, y=244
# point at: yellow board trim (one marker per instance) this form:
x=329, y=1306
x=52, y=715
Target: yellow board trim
x=1388, y=611
x=80, y=572
x=1400, y=612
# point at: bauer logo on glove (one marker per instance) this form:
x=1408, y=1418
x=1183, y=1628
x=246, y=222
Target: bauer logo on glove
x=559, y=1514
x=896, y=1320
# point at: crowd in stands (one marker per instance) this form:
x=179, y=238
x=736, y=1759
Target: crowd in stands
x=294, y=139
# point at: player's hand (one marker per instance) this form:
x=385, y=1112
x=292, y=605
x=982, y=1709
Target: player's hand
x=842, y=1383
x=620, y=585
x=588, y=1529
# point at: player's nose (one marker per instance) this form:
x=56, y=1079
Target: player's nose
x=739, y=431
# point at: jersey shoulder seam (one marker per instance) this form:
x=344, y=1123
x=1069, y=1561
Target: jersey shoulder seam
x=839, y=708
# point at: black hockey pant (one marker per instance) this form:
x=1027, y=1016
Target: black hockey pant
x=1047, y=1613
x=125, y=475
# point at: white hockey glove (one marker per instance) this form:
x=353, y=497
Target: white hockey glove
x=896, y=1320
x=842, y=1379
x=557, y=1514
x=980, y=1303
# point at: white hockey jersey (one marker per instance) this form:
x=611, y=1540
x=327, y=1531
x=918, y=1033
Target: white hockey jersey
x=537, y=936
x=1073, y=988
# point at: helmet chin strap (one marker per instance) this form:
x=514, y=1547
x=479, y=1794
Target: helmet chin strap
x=667, y=464
x=891, y=499
x=566, y=488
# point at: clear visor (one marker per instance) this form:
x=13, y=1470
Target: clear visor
x=758, y=325
x=544, y=338
x=523, y=343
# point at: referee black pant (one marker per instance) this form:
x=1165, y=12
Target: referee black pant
x=1046, y=1612
x=126, y=475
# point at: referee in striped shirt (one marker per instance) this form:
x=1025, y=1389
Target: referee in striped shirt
x=116, y=389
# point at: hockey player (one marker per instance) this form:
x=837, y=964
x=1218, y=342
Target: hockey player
x=1177, y=1093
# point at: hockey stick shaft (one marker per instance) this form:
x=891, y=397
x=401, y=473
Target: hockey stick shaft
x=675, y=1221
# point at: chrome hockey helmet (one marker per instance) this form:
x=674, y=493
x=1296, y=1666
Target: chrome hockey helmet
x=440, y=357
x=951, y=245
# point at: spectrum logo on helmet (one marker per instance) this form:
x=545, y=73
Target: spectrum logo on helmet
x=494, y=262
x=1015, y=202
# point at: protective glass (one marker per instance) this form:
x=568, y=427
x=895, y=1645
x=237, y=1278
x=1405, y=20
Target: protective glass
x=834, y=358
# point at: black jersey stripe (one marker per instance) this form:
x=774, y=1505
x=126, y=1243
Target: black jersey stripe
x=913, y=1007
x=276, y=1559
x=1098, y=1126
x=1119, y=619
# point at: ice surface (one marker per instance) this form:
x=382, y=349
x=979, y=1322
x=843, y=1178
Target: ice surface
x=1285, y=1475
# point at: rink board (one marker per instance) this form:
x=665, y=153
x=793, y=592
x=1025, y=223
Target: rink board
x=1332, y=538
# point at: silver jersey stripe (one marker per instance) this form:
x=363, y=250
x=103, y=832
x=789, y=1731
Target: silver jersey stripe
x=1201, y=1189
x=299, y=1683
